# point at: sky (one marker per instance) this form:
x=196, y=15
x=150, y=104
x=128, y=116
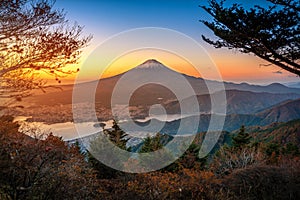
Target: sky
x=106, y=18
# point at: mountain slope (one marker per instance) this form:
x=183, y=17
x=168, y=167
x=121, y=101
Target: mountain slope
x=148, y=70
x=238, y=102
x=272, y=88
x=232, y=122
x=282, y=133
x=293, y=84
x=282, y=112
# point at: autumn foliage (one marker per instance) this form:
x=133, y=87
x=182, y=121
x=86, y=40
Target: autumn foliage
x=32, y=168
x=41, y=169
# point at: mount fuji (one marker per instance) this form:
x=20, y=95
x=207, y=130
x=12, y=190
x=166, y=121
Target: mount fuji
x=151, y=64
x=152, y=93
x=241, y=99
x=149, y=94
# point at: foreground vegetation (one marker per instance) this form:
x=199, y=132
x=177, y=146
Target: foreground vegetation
x=32, y=168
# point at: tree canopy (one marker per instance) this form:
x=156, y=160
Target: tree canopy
x=152, y=144
x=271, y=33
x=31, y=168
x=241, y=139
x=35, y=38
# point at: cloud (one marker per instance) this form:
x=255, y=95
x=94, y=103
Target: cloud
x=292, y=76
x=278, y=72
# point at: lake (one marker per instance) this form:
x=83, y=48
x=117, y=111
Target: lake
x=67, y=130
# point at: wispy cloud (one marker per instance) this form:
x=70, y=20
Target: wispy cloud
x=278, y=72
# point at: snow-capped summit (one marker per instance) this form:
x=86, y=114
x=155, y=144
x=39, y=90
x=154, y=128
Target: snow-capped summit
x=151, y=61
x=151, y=69
x=151, y=64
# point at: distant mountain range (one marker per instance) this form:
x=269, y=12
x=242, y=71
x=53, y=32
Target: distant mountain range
x=246, y=104
x=293, y=84
x=238, y=102
x=283, y=112
x=152, y=93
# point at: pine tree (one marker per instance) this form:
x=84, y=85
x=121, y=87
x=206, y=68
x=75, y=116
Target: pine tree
x=153, y=154
x=241, y=139
x=152, y=144
x=271, y=33
x=117, y=136
x=146, y=145
x=190, y=159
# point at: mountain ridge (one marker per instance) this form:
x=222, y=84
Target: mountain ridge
x=282, y=112
x=199, y=84
x=150, y=94
x=150, y=64
x=238, y=102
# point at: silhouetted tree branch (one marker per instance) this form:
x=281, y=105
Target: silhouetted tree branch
x=35, y=38
x=271, y=33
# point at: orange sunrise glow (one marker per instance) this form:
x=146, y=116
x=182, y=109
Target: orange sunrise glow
x=232, y=66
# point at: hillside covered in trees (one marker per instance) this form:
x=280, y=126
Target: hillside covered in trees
x=257, y=155
x=35, y=168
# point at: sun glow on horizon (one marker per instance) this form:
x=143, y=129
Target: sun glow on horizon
x=182, y=16
x=135, y=58
x=233, y=67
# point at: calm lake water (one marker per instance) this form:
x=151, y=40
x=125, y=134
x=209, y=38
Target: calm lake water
x=68, y=130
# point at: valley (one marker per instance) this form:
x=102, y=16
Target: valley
x=249, y=105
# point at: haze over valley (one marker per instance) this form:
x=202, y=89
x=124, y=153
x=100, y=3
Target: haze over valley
x=245, y=104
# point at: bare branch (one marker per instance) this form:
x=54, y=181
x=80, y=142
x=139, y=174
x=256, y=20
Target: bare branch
x=35, y=38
